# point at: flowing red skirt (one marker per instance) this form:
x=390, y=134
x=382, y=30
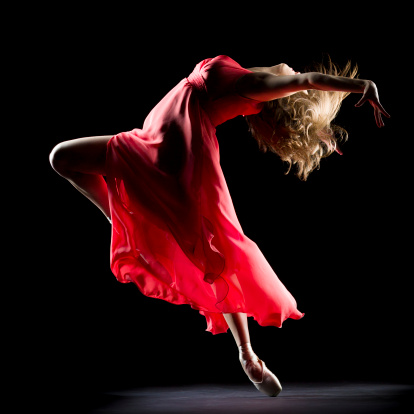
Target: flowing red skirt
x=175, y=233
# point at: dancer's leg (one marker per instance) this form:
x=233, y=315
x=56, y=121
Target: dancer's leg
x=264, y=380
x=239, y=327
x=82, y=162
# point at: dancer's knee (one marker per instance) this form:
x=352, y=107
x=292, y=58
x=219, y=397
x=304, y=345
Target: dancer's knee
x=81, y=155
x=60, y=159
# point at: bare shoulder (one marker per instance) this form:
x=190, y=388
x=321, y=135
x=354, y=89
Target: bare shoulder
x=248, y=84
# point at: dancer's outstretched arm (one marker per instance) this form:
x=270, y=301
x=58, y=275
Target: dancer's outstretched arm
x=265, y=86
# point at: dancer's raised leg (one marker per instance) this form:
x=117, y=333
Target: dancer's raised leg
x=82, y=162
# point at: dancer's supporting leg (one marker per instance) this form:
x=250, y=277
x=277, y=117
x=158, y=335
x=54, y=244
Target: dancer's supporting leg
x=263, y=379
x=82, y=162
x=238, y=325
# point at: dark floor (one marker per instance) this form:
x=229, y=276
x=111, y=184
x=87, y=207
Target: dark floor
x=338, y=398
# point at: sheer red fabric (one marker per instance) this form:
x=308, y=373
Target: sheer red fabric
x=175, y=233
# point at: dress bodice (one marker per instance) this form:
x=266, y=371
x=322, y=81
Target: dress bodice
x=215, y=79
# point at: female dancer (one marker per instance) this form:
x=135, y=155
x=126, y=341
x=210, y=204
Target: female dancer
x=175, y=233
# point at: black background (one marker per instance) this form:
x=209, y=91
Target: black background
x=340, y=242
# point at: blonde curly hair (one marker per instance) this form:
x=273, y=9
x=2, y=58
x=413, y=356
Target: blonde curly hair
x=298, y=127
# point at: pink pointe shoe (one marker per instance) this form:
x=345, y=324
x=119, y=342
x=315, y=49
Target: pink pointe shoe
x=264, y=380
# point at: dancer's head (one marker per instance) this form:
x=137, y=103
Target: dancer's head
x=298, y=127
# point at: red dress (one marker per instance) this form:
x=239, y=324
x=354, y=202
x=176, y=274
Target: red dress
x=175, y=233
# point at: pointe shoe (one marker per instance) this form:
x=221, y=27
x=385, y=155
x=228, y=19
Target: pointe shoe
x=266, y=382
x=269, y=383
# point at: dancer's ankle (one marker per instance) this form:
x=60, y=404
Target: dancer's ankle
x=250, y=362
x=246, y=351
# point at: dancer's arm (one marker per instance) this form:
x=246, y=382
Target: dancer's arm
x=264, y=86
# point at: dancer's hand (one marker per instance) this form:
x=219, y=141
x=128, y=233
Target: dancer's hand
x=370, y=94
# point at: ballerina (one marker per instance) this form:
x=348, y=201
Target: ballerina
x=175, y=233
